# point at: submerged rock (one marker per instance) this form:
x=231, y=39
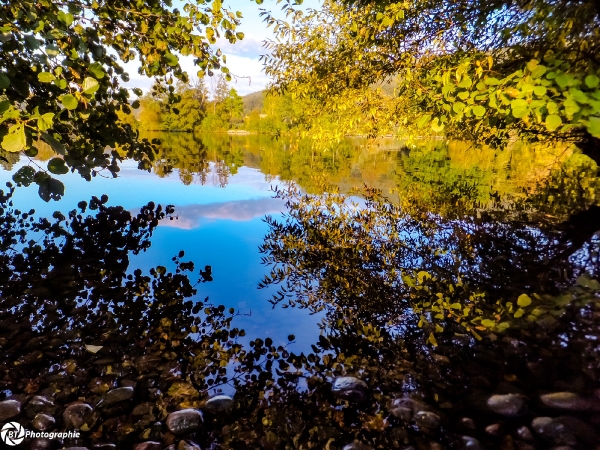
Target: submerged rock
x=117, y=395
x=566, y=400
x=525, y=434
x=188, y=445
x=219, y=404
x=184, y=421
x=40, y=404
x=76, y=415
x=43, y=422
x=356, y=446
x=509, y=405
x=427, y=419
x=471, y=443
x=149, y=445
x=350, y=388
x=9, y=409
x=405, y=408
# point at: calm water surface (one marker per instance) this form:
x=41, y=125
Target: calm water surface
x=530, y=213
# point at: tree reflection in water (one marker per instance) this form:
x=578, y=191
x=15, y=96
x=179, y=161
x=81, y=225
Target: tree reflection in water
x=80, y=326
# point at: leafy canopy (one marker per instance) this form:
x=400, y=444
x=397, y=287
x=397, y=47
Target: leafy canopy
x=61, y=74
x=471, y=68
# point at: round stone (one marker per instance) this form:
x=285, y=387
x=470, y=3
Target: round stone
x=188, y=445
x=350, y=388
x=9, y=409
x=76, y=415
x=471, y=443
x=565, y=400
x=184, y=421
x=356, y=446
x=404, y=408
x=43, y=422
x=149, y=445
x=40, y=404
x=117, y=395
x=525, y=434
x=427, y=419
x=509, y=405
x=219, y=404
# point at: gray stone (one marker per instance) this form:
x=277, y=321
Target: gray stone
x=188, y=445
x=566, y=400
x=471, y=443
x=76, y=415
x=149, y=445
x=350, y=388
x=40, y=404
x=493, y=429
x=405, y=408
x=427, y=419
x=117, y=395
x=509, y=405
x=143, y=409
x=184, y=421
x=9, y=409
x=356, y=446
x=539, y=423
x=467, y=422
x=525, y=434
x=219, y=404
x=41, y=444
x=43, y=422
x=553, y=431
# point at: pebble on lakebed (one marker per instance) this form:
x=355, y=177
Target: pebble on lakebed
x=350, y=388
x=509, y=405
x=184, y=421
x=219, y=404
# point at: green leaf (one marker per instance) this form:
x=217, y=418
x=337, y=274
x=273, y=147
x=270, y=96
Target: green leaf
x=96, y=70
x=171, y=59
x=540, y=91
x=69, y=102
x=57, y=166
x=563, y=80
x=491, y=81
x=553, y=121
x=458, y=107
x=432, y=340
x=90, y=85
x=45, y=122
x=24, y=175
x=65, y=18
x=16, y=140
x=46, y=77
x=52, y=142
x=478, y=110
x=519, y=108
x=436, y=125
x=50, y=189
x=524, y=300
x=592, y=81
x=488, y=323
x=4, y=81
x=538, y=71
x=593, y=126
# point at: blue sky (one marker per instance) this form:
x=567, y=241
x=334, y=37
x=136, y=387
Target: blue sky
x=243, y=57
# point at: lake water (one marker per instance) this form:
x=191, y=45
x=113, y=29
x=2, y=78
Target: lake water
x=222, y=188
